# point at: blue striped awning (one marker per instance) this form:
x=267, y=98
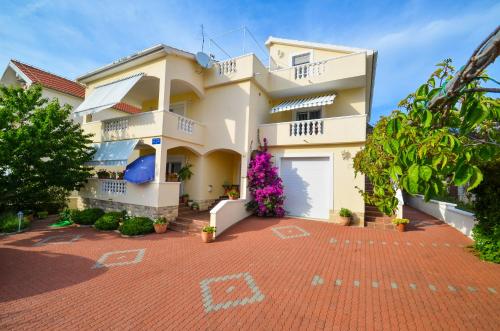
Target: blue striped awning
x=304, y=103
x=113, y=153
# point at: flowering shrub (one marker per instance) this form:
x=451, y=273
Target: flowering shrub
x=265, y=185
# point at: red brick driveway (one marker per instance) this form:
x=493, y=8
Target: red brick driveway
x=263, y=274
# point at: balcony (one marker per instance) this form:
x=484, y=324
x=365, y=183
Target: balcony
x=237, y=69
x=343, y=72
x=333, y=130
x=145, y=125
x=149, y=194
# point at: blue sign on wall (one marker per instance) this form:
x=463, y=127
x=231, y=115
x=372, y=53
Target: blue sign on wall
x=156, y=141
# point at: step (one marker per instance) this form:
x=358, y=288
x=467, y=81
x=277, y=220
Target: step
x=195, y=221
x=185, y=227
x=380, y=226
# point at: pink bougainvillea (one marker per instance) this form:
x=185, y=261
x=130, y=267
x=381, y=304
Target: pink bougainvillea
x=265, y=185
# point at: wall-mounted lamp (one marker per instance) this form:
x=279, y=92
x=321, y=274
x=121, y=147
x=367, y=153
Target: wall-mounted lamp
x=210, y=187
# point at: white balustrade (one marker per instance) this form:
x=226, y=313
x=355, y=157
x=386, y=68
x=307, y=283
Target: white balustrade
x=309, y=70
x=115, y=125
x=185, y=125
x=226, y=67
x=113, y=186
x=306, y=128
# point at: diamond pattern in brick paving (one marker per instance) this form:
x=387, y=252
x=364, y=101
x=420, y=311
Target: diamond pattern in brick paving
x=322, y=277
x=290, y=232
x=236, y=290
x=120, y=258
x=58, y=239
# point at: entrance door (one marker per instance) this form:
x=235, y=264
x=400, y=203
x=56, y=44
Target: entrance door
x=307, y=186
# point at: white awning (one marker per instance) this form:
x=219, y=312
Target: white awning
x=107, y=95
x=113, y=153
x=304, y=103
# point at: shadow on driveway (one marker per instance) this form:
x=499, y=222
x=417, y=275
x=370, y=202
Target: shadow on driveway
x=28, y=273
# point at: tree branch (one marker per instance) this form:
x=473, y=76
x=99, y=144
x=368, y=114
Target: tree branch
x=485, y=54
x=483, y=89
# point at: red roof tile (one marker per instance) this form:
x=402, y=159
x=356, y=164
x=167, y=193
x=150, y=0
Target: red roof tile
x=63, y=85
x=52, y=81
x=127, y=108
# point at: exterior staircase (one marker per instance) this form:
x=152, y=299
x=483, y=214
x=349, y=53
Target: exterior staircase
x=374, y=218
x=190, y=221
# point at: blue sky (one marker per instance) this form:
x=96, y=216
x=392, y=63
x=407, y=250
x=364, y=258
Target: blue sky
x=73, y=37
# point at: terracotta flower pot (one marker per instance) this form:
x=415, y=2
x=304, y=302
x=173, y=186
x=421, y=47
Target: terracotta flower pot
x=344, y=220
x=401, y=227
x=233, y=198
x=207, y=237
x=160, y=228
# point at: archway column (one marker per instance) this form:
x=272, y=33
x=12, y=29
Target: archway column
x=161, y=160
x=243, y=177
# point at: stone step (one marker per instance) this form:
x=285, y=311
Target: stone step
x=195, y=221
x=185, y=227
x=380, y=226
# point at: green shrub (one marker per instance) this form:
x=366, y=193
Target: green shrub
x=344, y=212
x=108, y=222
x=42, y=214
x=136, y=226
x=87, y=216
x=10, y=223
x=486, y=233
x=398, y=221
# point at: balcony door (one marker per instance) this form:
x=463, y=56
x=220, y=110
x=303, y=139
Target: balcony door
x=304, y=115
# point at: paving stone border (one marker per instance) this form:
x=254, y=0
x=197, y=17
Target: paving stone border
x=375, y=284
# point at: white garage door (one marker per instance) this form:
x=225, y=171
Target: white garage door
x=307, y=182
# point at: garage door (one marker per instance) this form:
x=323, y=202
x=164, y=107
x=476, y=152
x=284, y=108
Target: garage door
x=307, y=182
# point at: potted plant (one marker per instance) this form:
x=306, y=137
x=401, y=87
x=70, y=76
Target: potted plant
x=160, y=225
x=345, y=216
x=400, y=223
x=173, y=177
x=233, y=194
x=226, y=188
x=195, y=206
x=120, y=174
x=184, y=198
x=102, y=174
x=207, y=233
x=190, y=202
x=185, y=172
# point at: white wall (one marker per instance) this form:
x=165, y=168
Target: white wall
x=228, y=213
x=447, y=212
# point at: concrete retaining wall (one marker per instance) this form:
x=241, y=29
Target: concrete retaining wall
x=447, y=212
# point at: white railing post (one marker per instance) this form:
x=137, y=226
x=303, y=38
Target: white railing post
x=226, y=67
x=309, y=70
x=306, y=128
x=185, y=125
x=113, y=187
x=115, y=125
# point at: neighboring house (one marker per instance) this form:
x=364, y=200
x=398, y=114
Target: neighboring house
x=65, y=90
x=312, y=103
x=53, y=86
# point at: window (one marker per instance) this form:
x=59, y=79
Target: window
x=301, y=59
x=305, y=115
x=178, y=108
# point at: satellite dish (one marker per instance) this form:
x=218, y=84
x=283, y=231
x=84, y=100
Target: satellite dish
x=204, y=60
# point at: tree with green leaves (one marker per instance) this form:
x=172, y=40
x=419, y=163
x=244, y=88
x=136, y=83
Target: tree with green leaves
x=42, y=151
x=439, y=136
